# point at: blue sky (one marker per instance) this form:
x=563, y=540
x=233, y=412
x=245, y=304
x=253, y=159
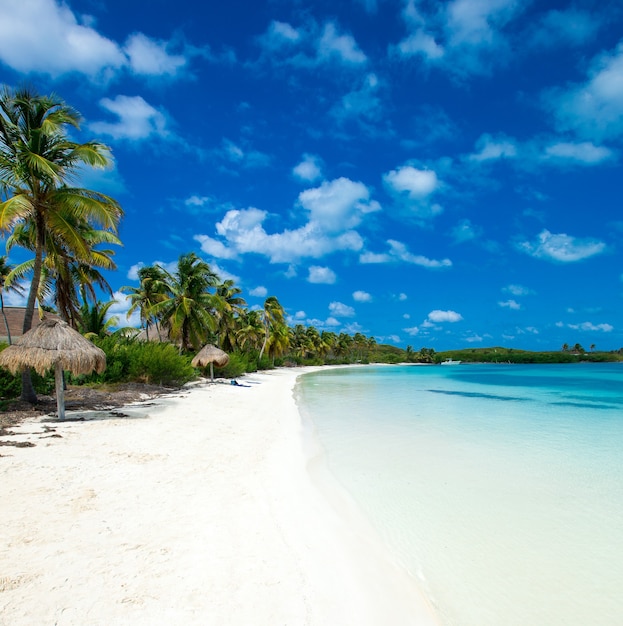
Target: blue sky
x=439, y=174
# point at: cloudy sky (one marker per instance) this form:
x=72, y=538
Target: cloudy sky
x=439, y=174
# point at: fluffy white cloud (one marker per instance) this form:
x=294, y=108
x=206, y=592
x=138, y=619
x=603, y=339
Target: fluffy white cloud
x=333, y=210
x=510, y=304
x=309, y=169
x=593, y=109
x=362, y=296
x=398, y=252
x=413, y=189
x=562, y=248
x=259, y=292
x=215, y=247
x=120, y=310
x=438, y=316
x=321, y=275
x=338, y=204
x=67, y=42
x=415, y=183
x=339, y=309
x=150, y=58
x=137, y=119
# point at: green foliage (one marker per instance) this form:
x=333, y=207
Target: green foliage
x=128, y=360
x=239, y=364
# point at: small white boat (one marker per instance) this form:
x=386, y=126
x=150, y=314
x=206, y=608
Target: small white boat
x=450, y=362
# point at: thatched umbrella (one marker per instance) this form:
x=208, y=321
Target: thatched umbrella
x=54, y=344
x=212, y=355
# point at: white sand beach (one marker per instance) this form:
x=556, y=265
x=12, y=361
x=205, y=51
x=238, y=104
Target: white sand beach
x=196, y=508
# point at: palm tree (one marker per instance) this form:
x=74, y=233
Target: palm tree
x=93, y=322
x=272, y=314
x=250, y=330
x=186, y=309
x=63, y=272
x=153, y=288
x=228, y=308
x=5, y=285
x=37, y=163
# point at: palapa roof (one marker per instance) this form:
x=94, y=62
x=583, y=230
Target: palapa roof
x=210, y=354
x=51, y=342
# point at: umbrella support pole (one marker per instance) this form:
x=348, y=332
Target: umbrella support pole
x=60, y=390
x=212, y=372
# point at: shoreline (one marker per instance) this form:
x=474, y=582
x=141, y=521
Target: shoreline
x=199, y=507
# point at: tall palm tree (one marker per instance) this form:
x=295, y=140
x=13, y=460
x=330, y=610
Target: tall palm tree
x=5, y=285
x=153, y=288
x=37, y=163
x=228, y=308
x=65, y=274
x=273, y=315
x=186, y=309
x=250, y=330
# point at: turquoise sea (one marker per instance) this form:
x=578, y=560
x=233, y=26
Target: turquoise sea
x=498, y=487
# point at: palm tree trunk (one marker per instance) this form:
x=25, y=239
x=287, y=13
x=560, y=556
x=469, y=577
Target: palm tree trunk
x=28, y=391
x=6, y=322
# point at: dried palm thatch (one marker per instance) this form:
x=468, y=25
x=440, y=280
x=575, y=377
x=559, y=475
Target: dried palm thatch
x=210, y=355
x=53, y=344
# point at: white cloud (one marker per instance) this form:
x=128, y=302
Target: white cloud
x=589, y=326
x=338, y=205
x=338, y=309
x=510, y=304
x=321, y=275
x=562, y=248
x=518, y=290
x=259, y=292
x=150, y=58
x=309, y=169
x=402, y=297
x=362, y=104
x=413, y=189
x=137, y=119
x=593, y=109
x=215, y=247
x=120, y=309
x=61, y=45
x=67, y=42
x=344, y=47
x=460, y=36
x=494, y=148
x=438, y=316
x=310, y=45
x=333, y=210
x=417, y=184
x=362, y=296
x=412, y=331
x=398, y=252
x=586, y=153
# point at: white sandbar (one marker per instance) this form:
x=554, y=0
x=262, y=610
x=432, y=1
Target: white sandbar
x=194, y=509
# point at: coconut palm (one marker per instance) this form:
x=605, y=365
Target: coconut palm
x=186, y=310
x=228, y=308
x=65, y=273
x=37, y=163
x=272, y=315
x=152, y=289
x=250, y=330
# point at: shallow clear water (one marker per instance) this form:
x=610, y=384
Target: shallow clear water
x=499, y=487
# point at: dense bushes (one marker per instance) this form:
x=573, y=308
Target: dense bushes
x=128, y=360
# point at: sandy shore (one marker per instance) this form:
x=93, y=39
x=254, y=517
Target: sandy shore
x=197, y=508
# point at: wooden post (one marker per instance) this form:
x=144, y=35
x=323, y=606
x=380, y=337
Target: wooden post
x=60, y=390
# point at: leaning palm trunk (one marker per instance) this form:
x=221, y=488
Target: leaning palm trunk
x=28, y=390
x=6, y=322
